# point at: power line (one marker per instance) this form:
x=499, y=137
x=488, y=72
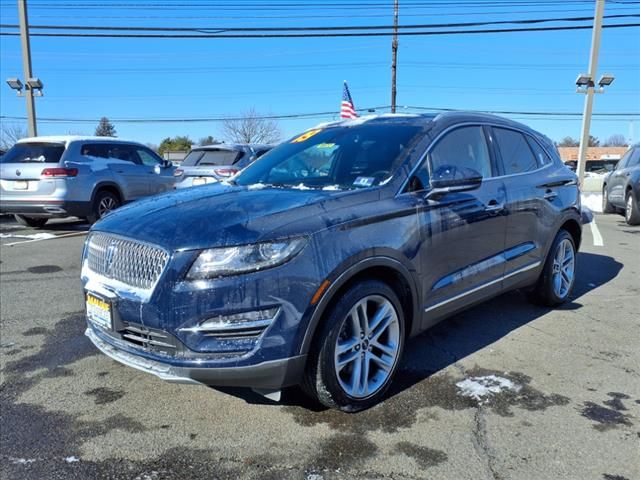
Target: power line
x=320, y=35
x=609, y=115
x=208, y=29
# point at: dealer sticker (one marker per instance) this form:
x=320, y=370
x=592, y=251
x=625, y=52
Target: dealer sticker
x=363, y=181
x=306, y=135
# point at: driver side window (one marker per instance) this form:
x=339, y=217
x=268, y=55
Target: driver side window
x=461, y=153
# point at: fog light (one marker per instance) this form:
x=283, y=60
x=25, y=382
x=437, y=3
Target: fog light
x=237, y=321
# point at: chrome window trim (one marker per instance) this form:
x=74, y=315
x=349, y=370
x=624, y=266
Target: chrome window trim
x=526, y=268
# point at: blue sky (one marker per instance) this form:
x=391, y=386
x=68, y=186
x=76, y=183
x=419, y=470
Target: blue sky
x=181, y=78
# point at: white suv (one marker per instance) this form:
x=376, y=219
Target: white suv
x=86, y=177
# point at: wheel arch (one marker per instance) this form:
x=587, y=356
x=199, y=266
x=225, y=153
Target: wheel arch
x=110, y=187
x=387, y=269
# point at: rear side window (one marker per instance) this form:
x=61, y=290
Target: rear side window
x=95, y=150
x=516, y=154
x=34, y=153
x=192, y=158
x=541, y=156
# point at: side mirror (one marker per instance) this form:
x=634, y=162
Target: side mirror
x=442, y=187
x=166, y=163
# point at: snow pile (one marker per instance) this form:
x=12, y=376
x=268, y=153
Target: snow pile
x=35, y=236
x=593, y=201
x=480, y=388
x=256, y=186
x=301, y=186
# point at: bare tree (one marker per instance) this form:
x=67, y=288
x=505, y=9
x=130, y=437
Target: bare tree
x=10, y=134
x=251, y=128
x=616, y=140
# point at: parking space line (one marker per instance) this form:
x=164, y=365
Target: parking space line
x=65, y=235
x=595, y=232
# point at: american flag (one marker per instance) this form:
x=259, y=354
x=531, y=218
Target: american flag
x=347, y=109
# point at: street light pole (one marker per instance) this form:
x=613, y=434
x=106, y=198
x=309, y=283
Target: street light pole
x=394, y=56
x=590, y=90
x=26, y=65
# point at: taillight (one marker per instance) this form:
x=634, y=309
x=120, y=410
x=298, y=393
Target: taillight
x=59, y=172
x=226, y=172
x=177, y=172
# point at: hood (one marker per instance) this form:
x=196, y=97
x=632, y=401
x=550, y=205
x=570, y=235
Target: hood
x=219, y=214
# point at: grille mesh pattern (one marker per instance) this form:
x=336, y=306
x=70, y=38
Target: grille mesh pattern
x=132, y=263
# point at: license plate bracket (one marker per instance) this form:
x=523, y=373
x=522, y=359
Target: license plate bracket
x=99, y=311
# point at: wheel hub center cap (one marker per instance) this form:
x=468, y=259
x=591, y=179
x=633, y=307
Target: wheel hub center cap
x=365, y=344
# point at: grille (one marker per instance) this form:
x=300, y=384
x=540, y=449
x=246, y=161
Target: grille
x=132, y=263
x=148, y=339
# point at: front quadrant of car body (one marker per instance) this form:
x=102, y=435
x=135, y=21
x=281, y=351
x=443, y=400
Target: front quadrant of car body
x=313, y=265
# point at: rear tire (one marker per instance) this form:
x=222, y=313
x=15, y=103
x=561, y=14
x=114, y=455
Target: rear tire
x=606, y=206
x=632, y=212
x=32, y=222
x=358, y=348
x=104, y=203
x=558, y=275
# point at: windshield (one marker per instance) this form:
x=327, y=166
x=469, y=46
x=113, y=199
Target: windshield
x=334, y=158
x=211, y=157
x=33, y=153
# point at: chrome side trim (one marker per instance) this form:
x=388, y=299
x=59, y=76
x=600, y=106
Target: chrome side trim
x=230, y=327
x=484, y=285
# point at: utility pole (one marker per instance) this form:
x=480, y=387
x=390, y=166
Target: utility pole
x=590, y=90
x=394, y=56
x=26, y=65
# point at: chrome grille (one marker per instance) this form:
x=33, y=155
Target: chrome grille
x=133, y=263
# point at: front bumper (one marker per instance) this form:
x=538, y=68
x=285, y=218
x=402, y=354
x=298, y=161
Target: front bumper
x=269, y=375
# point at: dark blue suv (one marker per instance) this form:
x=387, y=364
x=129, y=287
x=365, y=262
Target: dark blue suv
x=315, y=264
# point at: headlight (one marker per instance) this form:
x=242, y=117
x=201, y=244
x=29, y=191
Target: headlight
x=219, y=262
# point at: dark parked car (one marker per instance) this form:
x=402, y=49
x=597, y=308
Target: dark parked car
x=319, y=260
x=621, y=188
x=213, y=163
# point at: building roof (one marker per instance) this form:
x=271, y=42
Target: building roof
x=593, y=153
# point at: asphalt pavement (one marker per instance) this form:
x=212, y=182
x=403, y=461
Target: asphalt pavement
x=506, y=390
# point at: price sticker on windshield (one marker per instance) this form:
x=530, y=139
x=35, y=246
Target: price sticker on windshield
x=306, y=136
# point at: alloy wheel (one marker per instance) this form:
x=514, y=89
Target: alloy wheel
x=563, y=268
x=106, y=205
x=367, y=347
x=629, y=210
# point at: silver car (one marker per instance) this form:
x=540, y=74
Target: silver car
x=86, y=177
x=212, y=163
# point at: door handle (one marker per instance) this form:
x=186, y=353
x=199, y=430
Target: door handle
x=494, y=207
x=550, y=195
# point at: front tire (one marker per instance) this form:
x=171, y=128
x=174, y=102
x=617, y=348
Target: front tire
x=358, y=348
x=558, y=275
x=104, y=203
x=32, y=222
x=632, y=212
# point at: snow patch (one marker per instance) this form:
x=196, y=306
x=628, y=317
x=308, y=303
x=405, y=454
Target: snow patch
x=71, y=459
x=480, y=388
x=593, y=201
x=331, y=187
x=301, y=186
x=35, y=236
x=22, y=461
x=256, y=186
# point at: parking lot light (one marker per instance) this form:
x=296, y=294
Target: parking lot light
x=36, y=85
x=606, y=80
x=584, y=80
x=15, y=84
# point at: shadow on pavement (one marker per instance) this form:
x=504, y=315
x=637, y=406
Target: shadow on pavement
x=466, y=333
